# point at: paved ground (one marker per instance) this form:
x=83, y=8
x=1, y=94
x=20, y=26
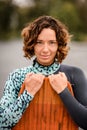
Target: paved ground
x=11, y=57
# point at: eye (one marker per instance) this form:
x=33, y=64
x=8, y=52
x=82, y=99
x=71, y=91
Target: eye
x=39, y=42
x=52, y=42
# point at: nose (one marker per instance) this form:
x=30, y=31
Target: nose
x=46, y=47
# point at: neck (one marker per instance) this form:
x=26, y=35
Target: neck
x=46, y=70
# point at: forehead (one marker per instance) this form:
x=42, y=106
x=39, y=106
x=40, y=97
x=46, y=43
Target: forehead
x=47, y=34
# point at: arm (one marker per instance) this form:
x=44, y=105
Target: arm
x=77, y=106
x=12, y=106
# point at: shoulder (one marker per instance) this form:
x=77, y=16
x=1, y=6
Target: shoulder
x=72, y=71
x=20, y=73
x=70, y=68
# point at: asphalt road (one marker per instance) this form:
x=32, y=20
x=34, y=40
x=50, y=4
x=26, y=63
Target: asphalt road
x=11, y=58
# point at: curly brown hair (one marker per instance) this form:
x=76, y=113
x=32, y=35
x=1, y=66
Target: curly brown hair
x=31, y=32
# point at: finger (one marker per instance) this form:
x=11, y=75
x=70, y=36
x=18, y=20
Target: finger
x=40, y=76
x=50, y=76
x=29, y=74
x=62, y=74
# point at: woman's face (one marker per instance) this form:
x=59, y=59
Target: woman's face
x=46, y=47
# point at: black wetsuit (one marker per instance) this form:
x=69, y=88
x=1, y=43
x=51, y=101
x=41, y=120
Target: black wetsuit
x=77, y=105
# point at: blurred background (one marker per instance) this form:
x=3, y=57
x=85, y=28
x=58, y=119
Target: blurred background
x=15, y=14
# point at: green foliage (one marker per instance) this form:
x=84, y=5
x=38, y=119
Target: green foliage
x=68, y=14
x=5, y=12
x=71, y=12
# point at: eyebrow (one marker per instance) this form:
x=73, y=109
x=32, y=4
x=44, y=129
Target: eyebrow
x=48, y=40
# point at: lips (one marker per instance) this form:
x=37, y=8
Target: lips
x=45, y=56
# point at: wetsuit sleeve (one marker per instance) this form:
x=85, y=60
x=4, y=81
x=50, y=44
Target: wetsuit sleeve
x=12, y=106
x=77, y=105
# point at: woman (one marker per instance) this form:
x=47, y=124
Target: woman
x=47, y=39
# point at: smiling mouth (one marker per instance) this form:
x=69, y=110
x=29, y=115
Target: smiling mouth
x=45, y=56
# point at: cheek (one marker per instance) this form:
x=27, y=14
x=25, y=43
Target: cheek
x=55, y=50
x=36, y=50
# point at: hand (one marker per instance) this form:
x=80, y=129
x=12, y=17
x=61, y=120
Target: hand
x=33, y=82
x=58, y=82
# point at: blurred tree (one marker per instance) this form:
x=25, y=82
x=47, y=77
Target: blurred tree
x=82, y=9
x=71, y=12
x=6, y=13
x=6, y=10
x=66, y=12
x=41, y=7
